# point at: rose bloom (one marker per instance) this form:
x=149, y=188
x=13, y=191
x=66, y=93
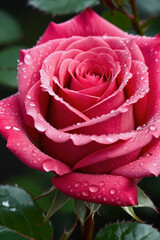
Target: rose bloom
x=88, y=109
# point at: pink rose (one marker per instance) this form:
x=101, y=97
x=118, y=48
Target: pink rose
x=88, y=109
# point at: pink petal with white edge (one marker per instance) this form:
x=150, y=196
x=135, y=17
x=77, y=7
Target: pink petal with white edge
x=103, y=189
x=140, y=140
x=29, y=65
x=14, y=131
x=150, y=48
x=59, y=136
x=87, y=23
x=147, y=165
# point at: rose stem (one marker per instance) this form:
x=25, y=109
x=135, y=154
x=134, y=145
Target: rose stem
x=136, y=18
x=88, y=228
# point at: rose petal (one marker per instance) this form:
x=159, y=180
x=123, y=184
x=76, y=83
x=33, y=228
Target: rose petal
x=115, y=151
x=13, y=129
x=105, y=189
x=96, y=25
x=145, y=166
x=150, y=48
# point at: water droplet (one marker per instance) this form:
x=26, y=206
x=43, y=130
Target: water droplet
x=119, y=202
x=69, y=186
x=34, y=154
x=105, y=36
x=29, y=97
x=32, y=104
x=155, y=164
x=28, y=59
x=8, y=127
x=99, y=196
x=86, y=184
x=18, y=144
x=25, y=149
x=105, y=198
x=77, y=184
x=16, y=129
x=94, y=188
x=85, y=193
x=152, y=128
x=112, y=191
x=156, y=60
x=102, y=183
x=5, y=203
x=13, y=209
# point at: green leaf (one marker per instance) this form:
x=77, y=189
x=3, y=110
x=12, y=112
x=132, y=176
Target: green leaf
x=59, y=200
x=81, y=210
x=117, y=18
x=8, y=234
x=8, y=66
x=149, y=7
x=62, y=6
x=20, y=213
x=10, y=29
x=128, y=231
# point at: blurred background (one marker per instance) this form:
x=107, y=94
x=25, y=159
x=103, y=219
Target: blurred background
x=21, y=25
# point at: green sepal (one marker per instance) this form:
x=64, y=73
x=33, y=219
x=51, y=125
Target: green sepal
x=59, y=200
x=80, y=210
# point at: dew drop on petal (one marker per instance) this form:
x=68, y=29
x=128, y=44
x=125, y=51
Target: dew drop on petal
x=29, y=97
x=85, y=193
x=112, y=191
x=32, y=104
x=105, y=198
x=77, y=184
x=155, y=164
x=102, y=183
x=153, y=128
x=25, y=149
x=28, y=59
x=94, y=188
x=8, y=127
x=86, y=184
x=16, y=129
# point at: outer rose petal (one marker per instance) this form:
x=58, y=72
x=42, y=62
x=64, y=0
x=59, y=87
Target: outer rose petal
x=150, y=48
x=96, y=26
x=147, y=165
x=13, y=129
x=105, y=189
